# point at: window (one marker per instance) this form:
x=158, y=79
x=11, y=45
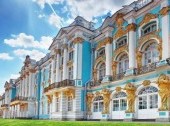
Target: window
x=61, y=76
x=149, y=28
x=48, y=108
x=119, y=101
x=50, y=72
x=123, y=63
x=98, y=104
x=101, y=71
x=44, y=74
x=148, y=98
x=70, y=73
x=151, y=53
x=71, y=55
x=70, y=103
x=57, y=104
x=121, y=42
x=101, y=52
x=61, y=60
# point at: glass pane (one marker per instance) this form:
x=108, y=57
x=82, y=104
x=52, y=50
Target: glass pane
x=123, y=104
x=143, y=102
x=115, y=105
x=153, y=101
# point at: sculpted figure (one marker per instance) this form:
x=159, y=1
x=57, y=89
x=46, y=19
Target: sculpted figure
x=95, y=75
x=139, y=59
x=89, y=100
x=130, y=91
x=164, y=92
x=106, y=96
x=114, y=67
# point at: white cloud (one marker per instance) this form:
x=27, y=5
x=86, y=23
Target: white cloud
x=55, y=20
x=93, y=8
x=28, y=41
x=14, y=76
x=41, y=15
x=5, y=56
x=42, y=3
x=34, y=54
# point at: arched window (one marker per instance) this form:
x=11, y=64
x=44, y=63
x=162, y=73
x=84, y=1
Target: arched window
x=119, y=101
x=150, y=27
x=123, y=63
x=151, y=53
x=101, y=52
x=148, y=98
x=121, y=42
x=101, y=71
x=98, y=104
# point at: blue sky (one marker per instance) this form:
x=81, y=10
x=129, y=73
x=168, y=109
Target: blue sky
x=28, y=26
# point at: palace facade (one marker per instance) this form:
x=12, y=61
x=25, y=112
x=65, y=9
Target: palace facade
x=119, y=71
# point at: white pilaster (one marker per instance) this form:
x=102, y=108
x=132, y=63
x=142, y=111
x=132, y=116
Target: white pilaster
x=57, y=67
x=65, y=74
x=54, y=104
x=108, y=49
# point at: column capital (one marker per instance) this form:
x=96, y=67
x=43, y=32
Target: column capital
x=131, y=27
x=78, y=40
x=65, y=46
x=58, y=51
x=108, y=40
x=164, y=11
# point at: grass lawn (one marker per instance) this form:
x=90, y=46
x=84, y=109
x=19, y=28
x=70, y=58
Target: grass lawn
x=17, y=122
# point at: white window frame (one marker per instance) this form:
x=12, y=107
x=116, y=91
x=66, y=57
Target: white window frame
x=69, y=103
x=57, y=104
x=123, y=62
x=98, y=103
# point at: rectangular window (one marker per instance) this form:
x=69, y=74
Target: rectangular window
x=95, y=107
x=48, y=108
x=70, y=103
x=71, y=55
x=123, y=104
x=143, y=102
x=100, y=106
x=70, y=73
x=57, y=105
x=61, y=76
x=153, y=101
x=115, y=105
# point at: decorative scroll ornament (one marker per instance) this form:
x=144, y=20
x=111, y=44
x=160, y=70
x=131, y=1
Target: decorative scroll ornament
x=130, y=91
x=114, y=67
x=118, y=89
x=97, y=93
x=78, y=40
x=164, y=92
x=106, y=100
x=147, y=18
x=119, y=19
x=108, y=40
x=121, y=32
x=70, y=92
x=89, y=99
x=57, y=94
x=95, y=75
x=159, y=47
x=139, y=59
x=49, y=97
x=70, y=63
x=165, y=10
x=146, y=83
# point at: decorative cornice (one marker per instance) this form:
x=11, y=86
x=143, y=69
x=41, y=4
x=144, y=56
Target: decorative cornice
x=147, y=18
x=78, y=40
x=164, y=11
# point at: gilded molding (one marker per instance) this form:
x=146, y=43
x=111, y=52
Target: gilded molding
x=114, y=67
x=164, y=92
x=57, y=94
x=164, y=11
x=49, y=97
x=107, y=40
x=95, y=75
x=121, y=32
x=147, y=18
x=70, y=63
x=139, y=59
x=70, y=92
x=106, y=100
x=146, y=83
x=120, y=50
x=58, y=51
x=119, y=19
x=97, y=93
x=89, y=99
x=130, y=91
x=78, y=40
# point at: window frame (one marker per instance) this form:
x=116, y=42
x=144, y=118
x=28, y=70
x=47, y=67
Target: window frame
x=149, y=26
x=122, y=40
x=98, y=103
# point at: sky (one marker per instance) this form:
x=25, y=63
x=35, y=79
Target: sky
x=27, y=27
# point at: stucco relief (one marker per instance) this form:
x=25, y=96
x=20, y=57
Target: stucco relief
x=130, y=91
x=89, y=99
x=164, y=92
x=106, y=100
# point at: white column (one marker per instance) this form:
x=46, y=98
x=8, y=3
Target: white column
x=54, y=104
x=52, y=69
x=132, y=53
x=30, y=85
x=165, y=37
x=65, y=74
x=58, y=65
x=108, y=49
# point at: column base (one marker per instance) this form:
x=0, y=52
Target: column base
x=130, y=72
x=107, y=78
x=164, y=116
x=129, y=117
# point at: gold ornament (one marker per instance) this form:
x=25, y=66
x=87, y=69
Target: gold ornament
x=106, y=100
x=164, y=91
x=131, y=27
x=89, y=99
x=78, y=40
x=147, y=18
x=130, y=91
x=70, y=92
x=114, y=67
x=146, y=83
x=95, y=75
x=165, y=10
x=49, y=97
x=139, y=59
x=118, y=89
